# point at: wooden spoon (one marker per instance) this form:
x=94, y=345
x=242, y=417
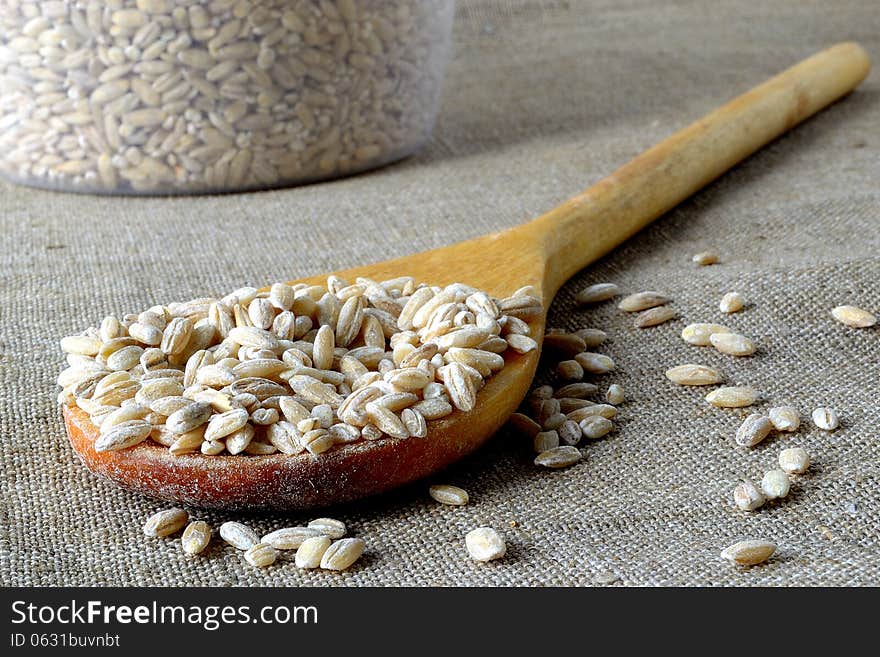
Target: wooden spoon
x=544, y=253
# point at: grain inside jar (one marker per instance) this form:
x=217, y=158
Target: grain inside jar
x=176, y=96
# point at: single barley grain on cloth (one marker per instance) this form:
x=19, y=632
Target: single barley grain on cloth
x=854, y=316
x=748, y=496
x=775, y=484
x=705, y=258
x=167, y=522
x=794, y=460
x=785, y=418
x=196, y=537
x=693, y=375
x=753, y=430
x=451, y=495
x=750, y=552
x=732, y=397
x=485, y=544
x=290, y=538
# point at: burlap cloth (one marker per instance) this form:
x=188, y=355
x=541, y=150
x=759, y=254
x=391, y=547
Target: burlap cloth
x=541, y=100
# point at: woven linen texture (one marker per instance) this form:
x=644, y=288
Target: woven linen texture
x=541, y=100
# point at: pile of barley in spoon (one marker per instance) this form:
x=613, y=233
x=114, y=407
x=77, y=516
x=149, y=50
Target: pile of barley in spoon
x=295, y=368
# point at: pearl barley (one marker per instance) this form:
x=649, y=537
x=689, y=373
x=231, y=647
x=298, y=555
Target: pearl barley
x=794, y=460
x=753, y=430
x=732, y=302
x=749, y=552
x=485, y=544
x=166, y=522
x=598, y=292
x=826, y=418
x=615, y=395
x=748, y=496
x=732, y=344
x=704, y=258
x=775, y=484
x=784, y=418
x=196, y=537
x=447, y=494
x=699, y=333
x=854, y=316
x=732, y=397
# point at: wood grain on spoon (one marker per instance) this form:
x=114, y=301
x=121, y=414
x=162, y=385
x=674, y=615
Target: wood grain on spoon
x=544, y=253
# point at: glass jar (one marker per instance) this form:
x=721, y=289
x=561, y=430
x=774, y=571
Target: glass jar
x=190, y=96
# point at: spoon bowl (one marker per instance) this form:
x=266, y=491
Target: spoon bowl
x=543, y=253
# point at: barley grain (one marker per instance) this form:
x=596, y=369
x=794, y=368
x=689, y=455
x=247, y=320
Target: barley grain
x=794, y=460
x=732, y=344
x=238, y=441
x=749, y=553
x=226, y=423
x=732, y=397
x=747, y=496
x=290, y=538
x=570, y=432
x=547, y=408
x=542, y=392
x=554, y=421
x=189, y=417
x=615, y=395
x=187, y=443
x=700, y=333
x=124, y=435
x=265, y=416
x=125, y=358
x=578, y=390
x=545, y=440
x=732, y=302
x=317, y=441
x=775, y=484
x=654, y=317
x=595, y=363
x=450, y=495
x=196, y=537
x=854, y=316
x=329, y=527
x=123, y=414
x=642, y=301
x=414, y=422
x=238, y=535
x=595, y=427
x=784, y=418
x=485, y=544
x=261, y=555
x=146, y=334
x=591, y=337
x=753, y=430
x=311, y=551
x=461, y=391
x=570, y=370
x=558, y=457
x=602, y=410
x=825, y=418
x=567, y=344
x=521, y=344
x=166, y=522
x=704, y=258
x=342, y=554
x=596, y=293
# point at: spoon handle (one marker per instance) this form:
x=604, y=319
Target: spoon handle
x=595, y=221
